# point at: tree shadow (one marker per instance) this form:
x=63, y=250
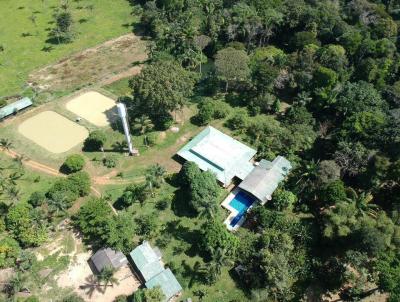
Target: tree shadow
x=91, y=286
x=47, y=48
x=180, y=205
x=190, y=236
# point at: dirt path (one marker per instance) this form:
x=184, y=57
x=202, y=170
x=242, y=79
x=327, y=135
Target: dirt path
x=33, y=164
x=99, y=180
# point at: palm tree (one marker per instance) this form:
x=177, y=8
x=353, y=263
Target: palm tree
x=13, y=193
x=150, y=183
x=20, y=158
x=158, y=172
x=154, y=177
x=13, y=177
x=58, y=204
x=5, y=143
x=219, y=260
x=362, y=202
x=142, y=125
x=208, y=210
x=16, y=284
x=106, y=277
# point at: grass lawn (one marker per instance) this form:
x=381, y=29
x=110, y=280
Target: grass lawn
x=120, y=87
x=30, y=181
x=24, y=28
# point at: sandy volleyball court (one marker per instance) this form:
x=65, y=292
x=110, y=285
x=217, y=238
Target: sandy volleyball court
x=93, y=107
x=53, y=132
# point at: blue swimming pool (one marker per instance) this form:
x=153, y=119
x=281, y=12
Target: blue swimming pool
x=241, y=202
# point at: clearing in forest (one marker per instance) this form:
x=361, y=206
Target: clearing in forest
x=53, y=132
x=92, y=65
x=93, y=107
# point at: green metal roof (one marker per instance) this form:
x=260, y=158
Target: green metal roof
x=146, y=260
x=219, y=153
x=15, y=107
x=168, y=283
x=265, y=178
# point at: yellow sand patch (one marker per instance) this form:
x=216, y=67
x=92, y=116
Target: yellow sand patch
x=53, y=132
x=93, y=107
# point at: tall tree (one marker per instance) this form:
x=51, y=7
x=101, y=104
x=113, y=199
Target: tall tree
x=232, y=65
x=161, y=88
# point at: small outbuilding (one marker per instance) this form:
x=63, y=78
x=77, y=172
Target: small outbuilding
x=15, y=107
x=150, y=270
x=147, y=262
x=265, y=178
x=167, y=282
x=107, y=257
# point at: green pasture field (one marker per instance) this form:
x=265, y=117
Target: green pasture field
x=24, y=29
x=29, y=182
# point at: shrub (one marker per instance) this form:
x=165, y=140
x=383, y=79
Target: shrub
x=3, y=103
x=72, y=298
x=239, y=120
x=152, y=139
x=163, y=204
x=146, y=226
x=75, y=185
x=73, y=163
x=283, y=199
x=95, y=141
x=211, y=109
x=80, y=182
x=37, y=199
x=110, y=161
x=121, y=298
x=32, y=299
x=9, y=252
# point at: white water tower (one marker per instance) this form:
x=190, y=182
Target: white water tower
x=124, y=119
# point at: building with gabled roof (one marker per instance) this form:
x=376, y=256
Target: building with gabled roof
x=167, y=282
x=219, y=153
x=107, y=257
x=147, y=262
x=15, y=107
x=265, y=178
x=150, y=270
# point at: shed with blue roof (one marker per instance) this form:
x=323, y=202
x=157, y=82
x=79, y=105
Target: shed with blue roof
x=15, y=107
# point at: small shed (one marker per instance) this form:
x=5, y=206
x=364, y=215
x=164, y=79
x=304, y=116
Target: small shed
x=265, y=178
x=107, y=257
x=15, y=107
x=147, y=261
x=167, y=282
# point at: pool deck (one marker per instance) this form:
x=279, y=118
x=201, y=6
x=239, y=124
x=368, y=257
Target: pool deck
x=225, y=204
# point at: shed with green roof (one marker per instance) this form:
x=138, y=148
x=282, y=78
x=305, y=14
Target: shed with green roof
x=219, y=153
x=146, y=261
x=167, y=282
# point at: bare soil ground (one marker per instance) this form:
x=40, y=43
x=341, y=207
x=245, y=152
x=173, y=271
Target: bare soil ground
x=53, y=132
x=98, y=64
x=94, y=107
x=78, y=276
